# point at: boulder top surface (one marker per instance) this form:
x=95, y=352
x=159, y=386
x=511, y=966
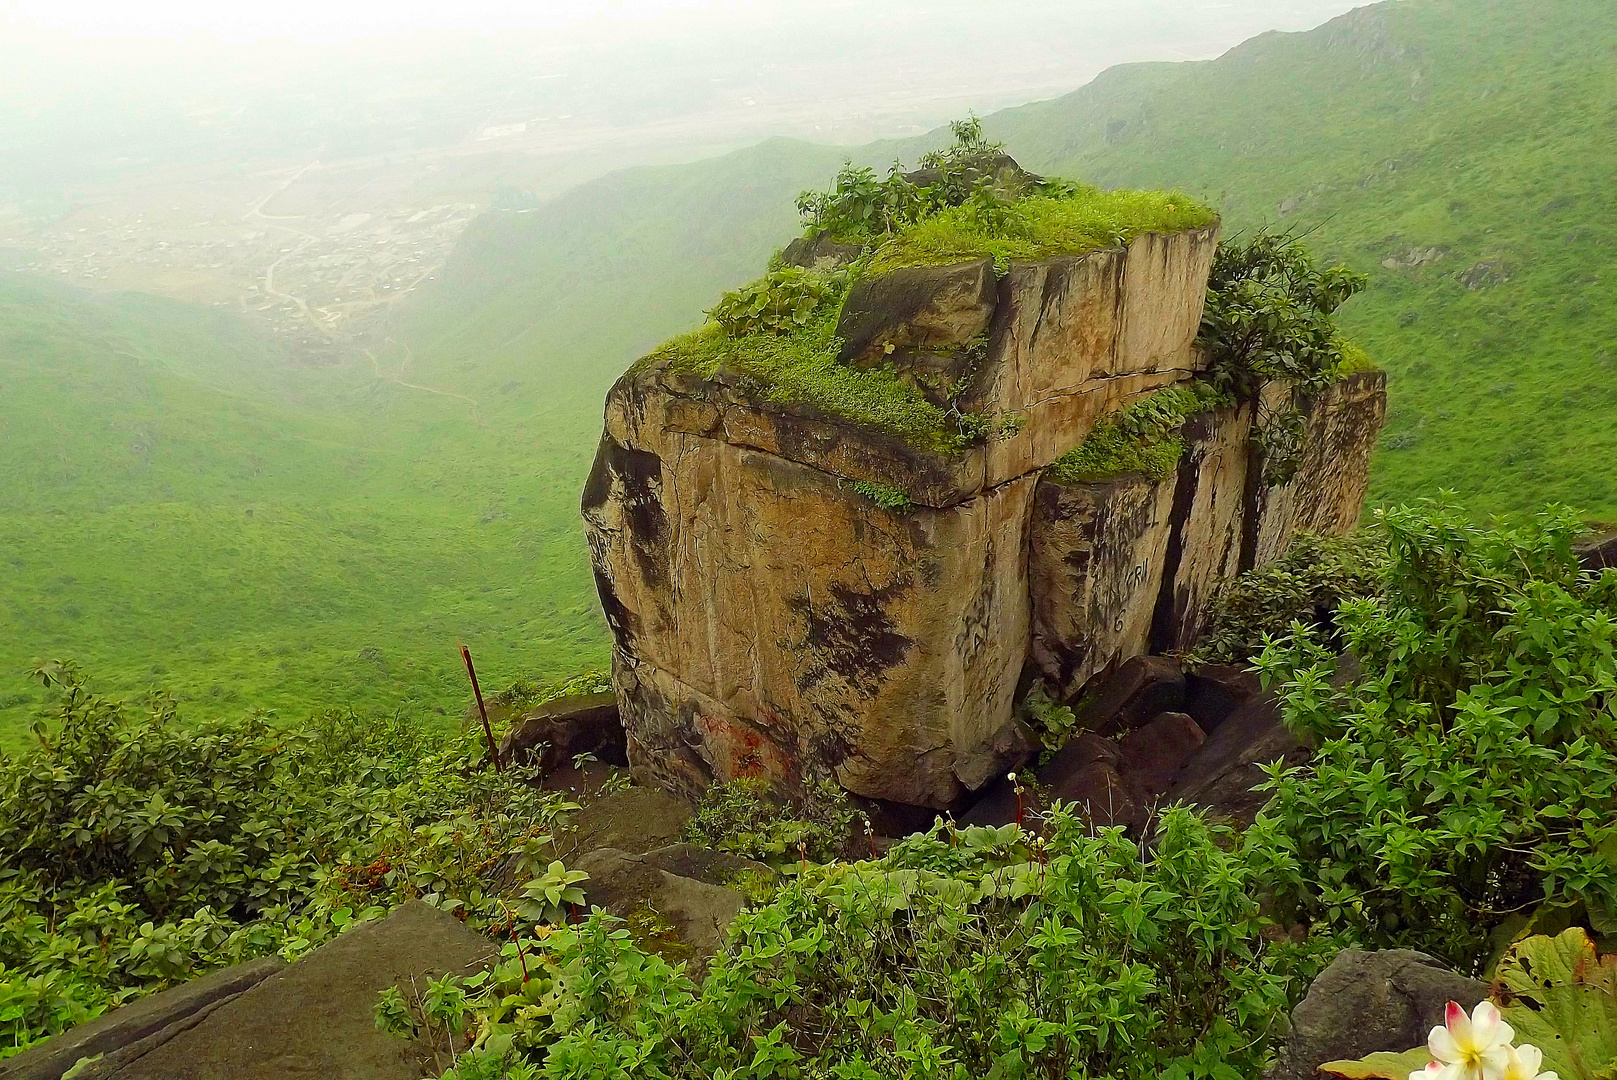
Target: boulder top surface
x=883, y=319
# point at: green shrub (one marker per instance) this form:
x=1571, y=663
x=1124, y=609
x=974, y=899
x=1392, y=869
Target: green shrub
x=1315, y=576
x=137, y=851
x=748, y=817
x=983, y=953
x=781, y=302
x=885, y=496
x=1470, y=774
x=1269, y=317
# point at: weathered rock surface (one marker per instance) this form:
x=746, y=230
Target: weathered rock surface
x=1369, y=1002
x=1151, y=756
x=125, y=1034
x=1327, y=494
x=1140, y=690
x=552, y=735
x=679, y=901
x=1095, y=567
x=315, y=1019
x=918, y=308
x=1221, y=774
x=820, y=252
x=771, y=621
x=635, y=820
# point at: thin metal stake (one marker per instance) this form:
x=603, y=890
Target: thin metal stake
x=488, y=730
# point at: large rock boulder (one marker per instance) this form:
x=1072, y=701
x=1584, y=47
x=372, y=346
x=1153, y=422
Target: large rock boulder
x=1370, y=1002
x=776, y=616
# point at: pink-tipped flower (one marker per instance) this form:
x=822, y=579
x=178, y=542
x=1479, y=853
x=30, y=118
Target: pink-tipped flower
x=1435, y=1070
x=1476, y=1046
x=1524, y=1063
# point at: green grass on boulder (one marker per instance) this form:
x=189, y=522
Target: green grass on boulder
x=1041, y=227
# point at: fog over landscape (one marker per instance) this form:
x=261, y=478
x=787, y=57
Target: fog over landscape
x=313, y=163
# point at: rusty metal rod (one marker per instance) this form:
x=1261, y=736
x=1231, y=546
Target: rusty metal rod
x=488, y=729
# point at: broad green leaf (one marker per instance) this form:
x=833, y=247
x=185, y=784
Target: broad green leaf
x=1565, y=1003
x=1380, y=1066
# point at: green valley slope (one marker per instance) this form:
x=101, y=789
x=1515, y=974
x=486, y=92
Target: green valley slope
x=183, y=508
x=1460, y=152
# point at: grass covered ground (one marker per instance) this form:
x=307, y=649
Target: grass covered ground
x=183, y=508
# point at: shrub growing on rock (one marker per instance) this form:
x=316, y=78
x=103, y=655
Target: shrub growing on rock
x=1469, y=775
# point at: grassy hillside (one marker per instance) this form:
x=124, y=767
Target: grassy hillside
x=1457, y=150
x=183, y=508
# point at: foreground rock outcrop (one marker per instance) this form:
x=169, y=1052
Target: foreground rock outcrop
x=771, y=618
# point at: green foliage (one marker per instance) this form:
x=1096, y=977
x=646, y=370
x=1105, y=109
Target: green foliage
x=860, y=208
x=782, y=302
x=1315, y=576
x=1471, y=771
x=121, y=874
x=180, y=495
x=804, y=368
x=1074, y=221
x=1268, y=319
x=1054, y=722
x=1142, y=438
x=885, y=495
x=1560, y=995
x=984, y=952
x=748, y=817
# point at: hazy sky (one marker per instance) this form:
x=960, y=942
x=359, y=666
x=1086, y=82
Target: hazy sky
x=329, y=20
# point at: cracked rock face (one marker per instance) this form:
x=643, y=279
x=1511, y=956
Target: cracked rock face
x=771, y=621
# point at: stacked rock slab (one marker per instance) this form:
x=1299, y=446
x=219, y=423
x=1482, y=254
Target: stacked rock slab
x=771, y=621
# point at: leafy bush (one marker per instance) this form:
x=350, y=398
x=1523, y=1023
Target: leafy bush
x=982, y=953
x=137, y=851
x=860, y=207
x=1269, y=318
x=1142, y=438
x=885, y=496
x=1315, y=576
x=1470, y=773
x=784, y=301
x=748, y=817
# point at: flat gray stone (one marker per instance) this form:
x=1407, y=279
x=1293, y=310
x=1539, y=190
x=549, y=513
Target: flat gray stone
x=316, y=1019
x=137, y=1021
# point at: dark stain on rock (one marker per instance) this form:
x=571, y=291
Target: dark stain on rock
x=852, y=636
x=637, y=478
x=623, y=623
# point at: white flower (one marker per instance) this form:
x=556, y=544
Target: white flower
x=1434, y=1071
x=1524, y=1063
x=1476, y=1047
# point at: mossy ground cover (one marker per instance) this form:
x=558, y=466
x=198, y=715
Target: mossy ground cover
x=804, y=368
x=798, y=360
x=1041, y=227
